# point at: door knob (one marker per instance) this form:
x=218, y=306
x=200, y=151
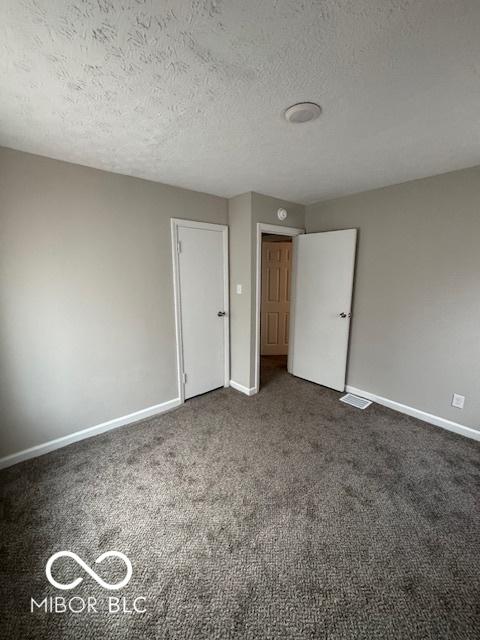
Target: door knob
x=345, y=315
x=221, y=313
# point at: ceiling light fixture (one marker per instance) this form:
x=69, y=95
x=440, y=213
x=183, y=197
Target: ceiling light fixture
x=302, y=112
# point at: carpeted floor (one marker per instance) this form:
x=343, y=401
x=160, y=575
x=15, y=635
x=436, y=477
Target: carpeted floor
x=284, y=515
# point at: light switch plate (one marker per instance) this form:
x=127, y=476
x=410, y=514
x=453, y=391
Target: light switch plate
x=458, y=401
x=239, y=289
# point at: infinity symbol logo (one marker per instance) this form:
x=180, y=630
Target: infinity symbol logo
x=78, y=560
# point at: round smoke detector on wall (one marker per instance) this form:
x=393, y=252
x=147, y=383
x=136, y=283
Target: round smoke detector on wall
x=302, y=112
x=282, y=214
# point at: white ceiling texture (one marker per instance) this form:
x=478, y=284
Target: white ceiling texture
x=191, y=93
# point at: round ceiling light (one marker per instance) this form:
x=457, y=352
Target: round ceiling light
x=302, y=112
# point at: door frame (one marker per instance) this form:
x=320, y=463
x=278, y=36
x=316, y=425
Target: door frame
x=277, y=230
x=175, y=224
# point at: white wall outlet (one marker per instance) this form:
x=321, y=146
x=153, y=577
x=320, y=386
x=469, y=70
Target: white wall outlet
x=239, y=289
x=458, y=401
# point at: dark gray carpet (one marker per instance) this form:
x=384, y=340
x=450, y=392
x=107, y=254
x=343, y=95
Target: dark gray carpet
x=285, y=515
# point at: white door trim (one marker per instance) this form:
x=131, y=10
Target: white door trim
x=175, y=224
x=279, y=231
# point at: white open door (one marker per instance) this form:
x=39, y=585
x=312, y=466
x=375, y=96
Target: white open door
x=201, y=279
x=320, y=316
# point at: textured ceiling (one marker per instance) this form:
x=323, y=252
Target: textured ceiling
x=191, y=92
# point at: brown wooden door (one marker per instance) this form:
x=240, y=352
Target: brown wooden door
x=275, y=307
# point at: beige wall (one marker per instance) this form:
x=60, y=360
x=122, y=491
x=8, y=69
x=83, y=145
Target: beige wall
x=86, y=318
x=240, y=232
x=416, y=315
x=244, y=212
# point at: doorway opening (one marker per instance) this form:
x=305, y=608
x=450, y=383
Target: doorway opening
x=274, y=269
x=274, y=304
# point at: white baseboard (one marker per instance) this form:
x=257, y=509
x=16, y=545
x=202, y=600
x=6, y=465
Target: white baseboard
x=239, y=387
x=416, y=413
x=58, y=443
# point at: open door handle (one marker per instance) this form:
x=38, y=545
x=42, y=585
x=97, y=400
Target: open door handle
x=345, y=315
x=221, y=313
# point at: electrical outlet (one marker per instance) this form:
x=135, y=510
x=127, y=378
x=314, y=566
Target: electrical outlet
x=458, y=401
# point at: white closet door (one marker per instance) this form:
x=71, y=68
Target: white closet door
x=201, y=264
